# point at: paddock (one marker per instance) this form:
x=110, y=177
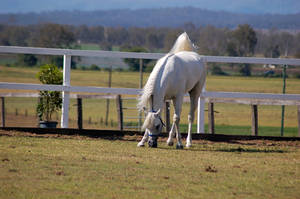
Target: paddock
x=65, y=163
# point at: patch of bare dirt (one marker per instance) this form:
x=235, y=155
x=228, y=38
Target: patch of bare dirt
x=29, y=134
x=257, y=142
x=211, y=169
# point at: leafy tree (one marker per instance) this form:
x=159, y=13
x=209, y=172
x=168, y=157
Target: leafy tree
x=54, y=36
x=242, y=43
x=170, y=38
x=297, y=54
x=82, y=33
x=231, y=49
x=275, y=52
x=14, y=36
x=154, y=40
x=134, y=64
x=116, y=36
x=212, y=40
x=94, y=34
x=244, y=38
x=137, y=36
x=286, y=42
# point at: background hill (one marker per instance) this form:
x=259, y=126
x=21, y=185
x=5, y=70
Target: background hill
x=155, y=17
x=236, y=6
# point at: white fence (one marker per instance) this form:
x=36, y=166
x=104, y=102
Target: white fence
x=66, y=88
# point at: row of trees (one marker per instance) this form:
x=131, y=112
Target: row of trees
x=242, y=41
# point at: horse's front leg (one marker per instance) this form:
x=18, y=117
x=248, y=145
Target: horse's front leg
x=176, y=120
x=194, y=96
x=144, y=139
x=171, y=135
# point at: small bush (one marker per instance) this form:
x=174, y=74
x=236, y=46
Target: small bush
x=106, y=69
x=82, y=68
x=50, y=101
x=94, y=67
x=245, y=70
x=217, y=70
x=27, y=59
x=119, y=69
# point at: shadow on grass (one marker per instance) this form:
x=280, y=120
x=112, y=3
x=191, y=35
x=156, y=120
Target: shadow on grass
x=251, y=150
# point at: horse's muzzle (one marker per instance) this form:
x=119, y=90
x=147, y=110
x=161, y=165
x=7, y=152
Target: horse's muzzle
x=152, y=142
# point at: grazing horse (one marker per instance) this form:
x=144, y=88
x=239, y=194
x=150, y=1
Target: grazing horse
x=179, y=72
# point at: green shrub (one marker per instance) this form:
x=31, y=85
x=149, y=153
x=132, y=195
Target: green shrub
x=27, y=59
x=94, y=67
x=217, y=70
x=49, y=101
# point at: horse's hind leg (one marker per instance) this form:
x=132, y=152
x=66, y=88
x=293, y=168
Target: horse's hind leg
x=194, y=95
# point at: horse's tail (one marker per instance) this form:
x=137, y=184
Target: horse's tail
x=183, y=43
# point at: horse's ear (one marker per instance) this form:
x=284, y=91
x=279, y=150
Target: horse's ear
x=158, y=112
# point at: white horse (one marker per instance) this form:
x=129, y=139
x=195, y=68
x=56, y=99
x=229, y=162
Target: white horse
x=180, y=71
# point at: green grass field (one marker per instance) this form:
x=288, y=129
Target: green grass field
x=32, y=167
x=233, y=115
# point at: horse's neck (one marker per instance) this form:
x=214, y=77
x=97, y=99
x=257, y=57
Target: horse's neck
x=158, y=101
x=159, y=86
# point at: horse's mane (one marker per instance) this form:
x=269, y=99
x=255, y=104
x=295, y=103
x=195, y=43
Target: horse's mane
x=149, y=87
x=183, y=43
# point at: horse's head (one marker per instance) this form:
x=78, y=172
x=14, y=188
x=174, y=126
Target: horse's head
x=153, y=124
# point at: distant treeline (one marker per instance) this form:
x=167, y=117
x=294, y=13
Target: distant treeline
x=209, y=39
x=242, y=41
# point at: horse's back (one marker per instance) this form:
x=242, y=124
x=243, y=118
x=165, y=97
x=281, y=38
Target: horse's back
x=189, y=57
x=187, y=70
x=189, y=64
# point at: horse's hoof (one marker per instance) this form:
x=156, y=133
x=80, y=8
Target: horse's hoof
x=152, y=144
x=140, y=144
x=188, y=145
x=179, y=146
x=170, y=143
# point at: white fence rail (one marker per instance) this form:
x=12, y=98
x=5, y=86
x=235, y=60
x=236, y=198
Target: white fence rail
x=66, y=88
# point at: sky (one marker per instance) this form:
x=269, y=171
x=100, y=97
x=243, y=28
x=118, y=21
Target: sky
x=240, y=6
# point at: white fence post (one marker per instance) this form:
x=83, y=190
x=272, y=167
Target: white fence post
x=201, y=107
x=66, y=94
